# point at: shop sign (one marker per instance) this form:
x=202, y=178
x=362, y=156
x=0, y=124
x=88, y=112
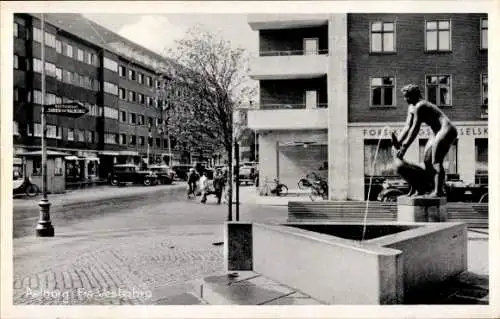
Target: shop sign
x=425, y=132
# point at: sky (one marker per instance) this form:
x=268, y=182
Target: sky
x=158, y=32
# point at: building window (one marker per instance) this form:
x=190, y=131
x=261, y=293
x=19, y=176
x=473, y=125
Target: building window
x=149, y=101
x=165, y=143
x=16, y=62
x=140, y=98
x=383, y=163
x=37, y=97
x=50, y=69
x=58, y=100
x=58, y=46
x=66, y=76
x=481, y=156
x=15, y=128
x=149, y=81
x=91, y=58
x=50, y=98
x=438, y=35
x=484, y=33
x=158, y=142
x=133, y=118
x=110, y=88
x=80, y=135
x=59, y=74
x=383, y=91
x=123, y=116
x=131, y=96
x=122, y=71
x=16, y=94
x=140, y=78
x=16, y=29
x=68, y=50
x=450, y=160
x=75, y=79
x=123, y=94
x=140, y=120
x=438, y=89
x=111, y=138
x=53, y=131
x=133, y=140
x=90, y=136
x=150, y=141
x=131, y=75
x=110, y=113
x=110, y=65
x=141, y=140
x=123, y=139
x=37, y=65
x=150, y=121
x=382, y=37
x=79, y=55
x=50, y=40
x=37, y=167
x=37, y=35
x=71, y=134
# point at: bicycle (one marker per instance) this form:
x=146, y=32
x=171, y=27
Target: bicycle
x=279, y=189
x=306, y=182
x=319, y=189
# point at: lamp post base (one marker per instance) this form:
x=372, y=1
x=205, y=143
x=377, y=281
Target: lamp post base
x=44, y=227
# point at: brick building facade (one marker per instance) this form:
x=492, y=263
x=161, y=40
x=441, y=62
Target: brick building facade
x=330, y=89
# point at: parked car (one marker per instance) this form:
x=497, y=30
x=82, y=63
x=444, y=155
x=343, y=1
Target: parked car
x=164, y=174
x=247, y=173
x=132, y=174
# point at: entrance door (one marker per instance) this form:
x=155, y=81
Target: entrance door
x=311, y=99
x=311, y=46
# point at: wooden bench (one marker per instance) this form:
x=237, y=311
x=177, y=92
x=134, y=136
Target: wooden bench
x=474, y=214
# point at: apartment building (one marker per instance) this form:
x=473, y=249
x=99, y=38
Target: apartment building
x=116, y=79
x=330, y=89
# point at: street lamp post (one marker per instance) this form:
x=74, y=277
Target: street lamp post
x=44, y=227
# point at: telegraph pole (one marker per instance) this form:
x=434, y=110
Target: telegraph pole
x=44, y=227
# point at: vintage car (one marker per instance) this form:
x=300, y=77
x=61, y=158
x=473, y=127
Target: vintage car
x=164, y=174
x=132, y=174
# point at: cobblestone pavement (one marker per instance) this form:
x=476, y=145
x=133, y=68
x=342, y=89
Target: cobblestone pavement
x=122, y=267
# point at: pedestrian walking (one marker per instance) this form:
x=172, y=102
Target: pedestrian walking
x=192, y=178
x=219, y=183
x=203, y=187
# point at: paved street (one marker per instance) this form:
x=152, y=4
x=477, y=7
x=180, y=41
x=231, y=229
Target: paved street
x=127, y=245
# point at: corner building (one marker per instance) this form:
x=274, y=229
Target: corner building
x=330, y=89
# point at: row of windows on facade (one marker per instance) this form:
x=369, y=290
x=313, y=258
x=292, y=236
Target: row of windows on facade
x=86, y=136
x=123, y=139
x=94, y=110
x=437, y=35
x=85, y=56
x=139, y=98
x=438, y=90
x=62, y=47
x=133, y=75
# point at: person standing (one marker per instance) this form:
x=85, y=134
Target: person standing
x=192, y=178
x=204, y=187
x=219, y=181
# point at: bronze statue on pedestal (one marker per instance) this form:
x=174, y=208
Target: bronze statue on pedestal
x=428, y=181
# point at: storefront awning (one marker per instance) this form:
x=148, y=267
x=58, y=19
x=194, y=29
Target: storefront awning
x=72, y=158
x=128, y=153
x=39, y=153
x=109, y=153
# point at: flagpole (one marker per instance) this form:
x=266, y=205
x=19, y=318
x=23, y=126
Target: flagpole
x=44, y=227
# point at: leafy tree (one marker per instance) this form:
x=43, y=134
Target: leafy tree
x=208, y=82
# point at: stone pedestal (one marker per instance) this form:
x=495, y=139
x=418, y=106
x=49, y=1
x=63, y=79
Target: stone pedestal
x=422, y=209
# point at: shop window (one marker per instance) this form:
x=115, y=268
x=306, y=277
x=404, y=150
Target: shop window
x=37, y=167
x=438, y=89
x=481, y=145
x=58, y=166
x=80, y=135
x=71, y=134
x=484, y=33
x=382, y=37
x=383, y=91
x=384, y=163
x=450, y=160
x=438, y=35
x=91, y=168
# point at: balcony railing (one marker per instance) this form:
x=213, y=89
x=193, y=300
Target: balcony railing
x=293, y=52
x=289, y=106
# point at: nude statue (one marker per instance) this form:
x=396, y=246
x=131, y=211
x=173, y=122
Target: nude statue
x=428, y=181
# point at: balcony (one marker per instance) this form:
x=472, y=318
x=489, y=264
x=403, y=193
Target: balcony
x=280, y=65
x=288, y=117
x=285, y=21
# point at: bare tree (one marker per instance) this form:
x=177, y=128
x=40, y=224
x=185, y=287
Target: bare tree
x=209, y=81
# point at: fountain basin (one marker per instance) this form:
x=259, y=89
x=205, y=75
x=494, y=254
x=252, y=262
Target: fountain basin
x=329, y=262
